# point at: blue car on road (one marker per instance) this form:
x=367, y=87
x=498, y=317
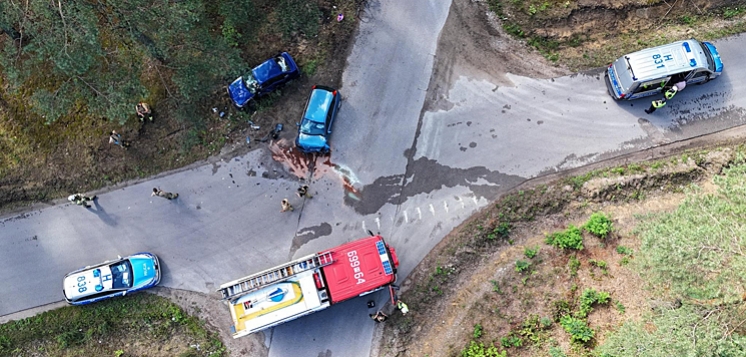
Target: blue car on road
x=111, y=278
x=263, y=79
x=318, y=116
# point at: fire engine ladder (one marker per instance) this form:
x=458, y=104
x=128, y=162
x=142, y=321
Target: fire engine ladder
x=283, y=272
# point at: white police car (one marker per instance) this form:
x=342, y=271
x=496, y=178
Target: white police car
x=111, y=278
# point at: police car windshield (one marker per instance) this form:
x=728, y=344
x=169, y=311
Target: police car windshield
x=122, y=275
x=623, y=72
x=708, y=55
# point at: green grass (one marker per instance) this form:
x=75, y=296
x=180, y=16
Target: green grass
x=131, y=324
x=693, y=254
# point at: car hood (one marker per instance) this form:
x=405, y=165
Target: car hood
x=144, y=270
x=312, y=143
x=239, y=93
x=715, y=57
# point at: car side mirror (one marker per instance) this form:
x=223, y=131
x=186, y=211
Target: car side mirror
x=119, y=257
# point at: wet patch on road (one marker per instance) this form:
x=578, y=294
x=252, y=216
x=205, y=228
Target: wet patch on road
x=308, y=234
x=426, y=176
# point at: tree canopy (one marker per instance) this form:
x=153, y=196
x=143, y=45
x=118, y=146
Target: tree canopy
x=100, y=57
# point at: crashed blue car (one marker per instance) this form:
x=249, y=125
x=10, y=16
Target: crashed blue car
x=318, y=116
x=263, y=79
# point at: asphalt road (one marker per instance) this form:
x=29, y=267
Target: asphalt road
x=410, y=175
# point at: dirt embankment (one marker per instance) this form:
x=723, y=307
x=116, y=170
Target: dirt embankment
x=583, y=33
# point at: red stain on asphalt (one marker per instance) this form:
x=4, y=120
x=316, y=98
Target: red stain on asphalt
x=300, y=164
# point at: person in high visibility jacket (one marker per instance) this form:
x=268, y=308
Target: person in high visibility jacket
x=671, y=92
x=402, y=307
x=656, y=104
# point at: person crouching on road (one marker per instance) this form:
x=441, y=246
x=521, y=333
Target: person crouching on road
x=378, y=316
x=286, y=206
x=81, y=199
x=160, y=193
x=303, y=192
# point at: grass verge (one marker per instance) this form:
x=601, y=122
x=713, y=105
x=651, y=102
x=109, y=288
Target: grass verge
x=137, y=325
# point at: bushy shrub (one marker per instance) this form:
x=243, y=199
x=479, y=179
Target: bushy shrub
x=501, y=231
x=623, y=250
x=577, y=328
x=599, y=225
x=588, y=298
x=530, y=253
x=478, y=331
x=569, y=238
x=479, y=350
x=521, y=266
x=574, y=265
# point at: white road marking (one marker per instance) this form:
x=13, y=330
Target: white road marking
x=445, y=205
x=364, y=230
x=406, y=217
x=419, y=213
x=432, y=209
x=476, y=203
x=463, y=205
x=378, y=223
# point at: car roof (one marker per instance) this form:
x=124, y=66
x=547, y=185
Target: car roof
x=318, y=105
x=678, y=57
x=94, y=278
x=268, y=69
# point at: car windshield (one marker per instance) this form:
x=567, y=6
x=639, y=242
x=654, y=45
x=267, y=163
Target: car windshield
x=708, y=55
x=309, y=127
x=251, y=83
x=122, y=275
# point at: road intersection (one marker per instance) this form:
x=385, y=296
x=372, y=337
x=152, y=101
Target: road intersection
x=410, y=173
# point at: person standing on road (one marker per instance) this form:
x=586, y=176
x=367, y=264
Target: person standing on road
x=81, y=199
x=303, y=192
x=656, y=104
x=286, y=206
x=160, y=193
